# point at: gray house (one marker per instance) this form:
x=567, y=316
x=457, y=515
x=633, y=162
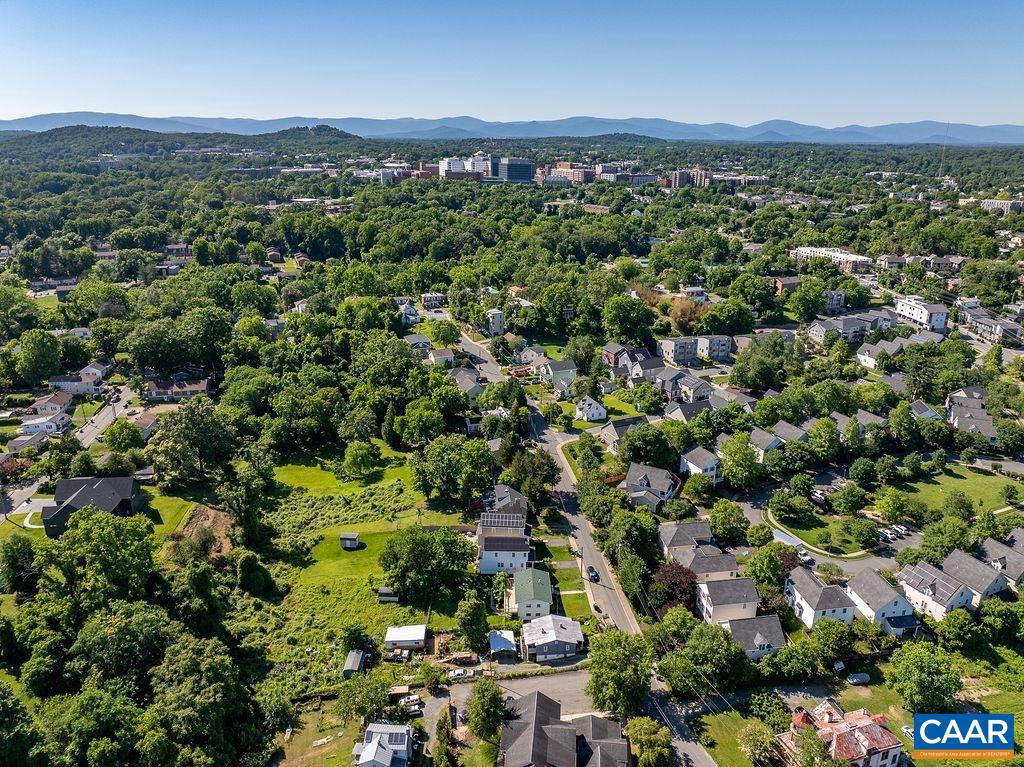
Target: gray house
x=551, y=637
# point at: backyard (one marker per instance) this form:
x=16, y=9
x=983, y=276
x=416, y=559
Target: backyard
x=809, y=530
x=312, y=471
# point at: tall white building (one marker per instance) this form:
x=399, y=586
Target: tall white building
x=915, y=310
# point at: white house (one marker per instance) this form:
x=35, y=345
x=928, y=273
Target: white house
x=532, y=595
x=385, y=745
x=77, y=384
x=45, y=424
x=495, y=323
x=701, y=461
x=558, y=371
x=97, y=368
x=931, y=591
x=52, y=404
x=1002, y=558
x=877, y=601
x=758, y=636
x=917, y=311
x=502, y=539
x=551, y=637
x=410, y=316
x=982, y=580
x=589, y=409
x=406, y=637
x=726, y=600
x=811, y=600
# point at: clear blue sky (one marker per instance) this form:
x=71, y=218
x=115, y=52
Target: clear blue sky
x=828, y=62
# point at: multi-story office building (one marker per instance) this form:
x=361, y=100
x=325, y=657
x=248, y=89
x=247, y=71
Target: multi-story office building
x=517, y=170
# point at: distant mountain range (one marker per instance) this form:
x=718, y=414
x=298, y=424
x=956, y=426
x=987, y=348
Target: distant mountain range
x=924, y=132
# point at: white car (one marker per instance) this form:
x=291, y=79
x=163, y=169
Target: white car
x=411, y=701
x=460, y=673
x=902, y=528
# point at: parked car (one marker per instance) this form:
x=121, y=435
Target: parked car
x=804, y=557
x=902, y=528
x=460, y=673
x=411, y=701
x=886, y=536
x=858, y=679
x=592, y=574
x=895, y=531
x=908, y=731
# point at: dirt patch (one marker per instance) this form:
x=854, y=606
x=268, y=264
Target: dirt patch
x=217, y=522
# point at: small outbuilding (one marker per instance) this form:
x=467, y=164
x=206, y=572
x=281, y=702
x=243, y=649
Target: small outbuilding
x=385, y=594
x=354, y=663
x=406, y=637
x=350, y=541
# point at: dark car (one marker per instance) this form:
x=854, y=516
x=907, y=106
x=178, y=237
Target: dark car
x=592, y=574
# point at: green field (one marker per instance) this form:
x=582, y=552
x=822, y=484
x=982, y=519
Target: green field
x=47, y=302
x=172, y=510
x=810, y=530
x=311, y=472
x=980, y=484
x=721, y=729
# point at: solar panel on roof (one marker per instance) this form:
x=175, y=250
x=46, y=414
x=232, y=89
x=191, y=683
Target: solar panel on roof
x=396, y=738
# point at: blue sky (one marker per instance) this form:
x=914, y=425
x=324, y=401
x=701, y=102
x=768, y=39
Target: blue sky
x=828, y=62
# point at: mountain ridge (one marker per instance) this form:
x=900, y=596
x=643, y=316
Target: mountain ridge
x=466, y=126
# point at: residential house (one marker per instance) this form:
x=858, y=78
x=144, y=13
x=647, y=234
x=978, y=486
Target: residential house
x=551, y=637
x=932, y=591
x=98, y=368
x=534, y=735
x=922, y=409
x=786, y=285
x=708, y=563
x=45, y=424
x=868, y=354
x=645, y=369
x=528, y=355
x=850, y=328
x=432, y=300
x=835, y=301
x=409, y=314
x=812, y=600
x=495, y=323
x=856, y=737
x=612, y=354
x=877, y=601
x=701, y=461
x=681, y=352
x=412, y=637
x=25, y=441
x=443, y=357
x=557, y=371
x=965, y=410
x=681, y=537
x=983, y=581
x=418, y=343
x=686, y=411
x=717, y=348
x=611, y=433
x=174, y=391
x=385, y=745
x=758, y=636
x=726, y=600
x=77, y=384
x=532, y=595
x=1015, y=539
x=1003, y=559
x=692, y=389
x=649, y=486
x=763, y=442
x=466, y=382
x=121, y=496
x=916, y=311
x=507, y=500
x=787, y=432
x=503, y=542
x=52, y=404
x=589, y=409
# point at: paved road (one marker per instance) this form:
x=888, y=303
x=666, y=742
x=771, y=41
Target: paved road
x=117, y=406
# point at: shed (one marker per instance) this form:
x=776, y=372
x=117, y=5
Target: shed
x=354, y=663
x=350, y=541
x=502, y=643
x=406, y=637
x=385, y=594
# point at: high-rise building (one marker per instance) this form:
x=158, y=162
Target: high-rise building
x=517, y=170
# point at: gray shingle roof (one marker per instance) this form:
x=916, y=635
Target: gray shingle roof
x=976, y=575
x=731, y=591
x=815, y=593
x=680, y=534
x=641, y=475
x=787, y=432
x=700, y=457
x=750, y=633
x=1011, y=563
x=874, y=590
x=703, y=563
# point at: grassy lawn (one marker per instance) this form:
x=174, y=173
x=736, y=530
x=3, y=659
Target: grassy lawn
x=560, y=553
x=618, y=408
x=721, y=729
x=568, y=579
x=810, y=530
x=9, y=429
x=315, y=725
x=981, y=485
x=576, y=606
x=85, y=411
x=311, y=472
x=172, y=510
x=47, y=302
x=481, y=754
